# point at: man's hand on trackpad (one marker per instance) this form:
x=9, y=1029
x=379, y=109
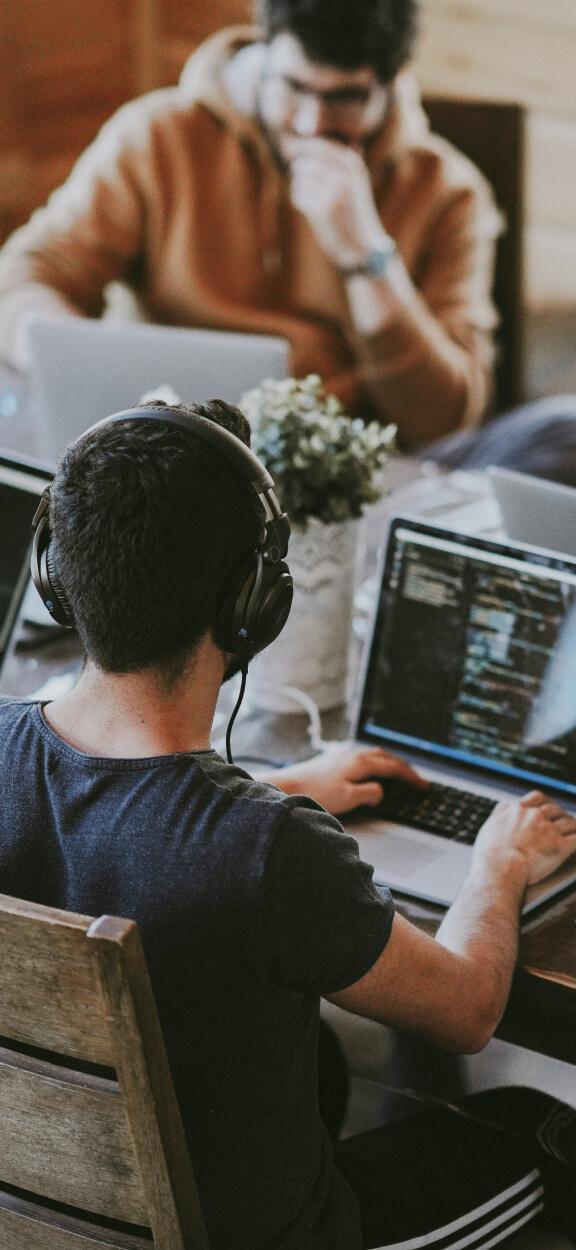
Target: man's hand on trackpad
x=345, y=777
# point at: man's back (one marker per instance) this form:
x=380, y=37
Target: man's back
x=225, y=878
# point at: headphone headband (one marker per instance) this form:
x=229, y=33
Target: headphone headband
x=231, y=446
x=256, y=606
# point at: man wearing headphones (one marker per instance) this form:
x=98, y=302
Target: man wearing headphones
x=162, y=540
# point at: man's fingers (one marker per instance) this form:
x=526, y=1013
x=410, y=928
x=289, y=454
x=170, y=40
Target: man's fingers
x=552, y=811
x=402, y=771
x=566, y=825
x=376, y=762
x=368, y=794
x=534, y=798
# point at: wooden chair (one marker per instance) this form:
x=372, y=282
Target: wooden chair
x=92, y=1147
x=492, y=135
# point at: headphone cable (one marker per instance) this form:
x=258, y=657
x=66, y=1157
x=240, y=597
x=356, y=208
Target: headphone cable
x=244, y=671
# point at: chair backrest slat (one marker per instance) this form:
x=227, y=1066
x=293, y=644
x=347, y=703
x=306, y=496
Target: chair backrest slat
x=45, y=1113
x=108, y=1145
x=28, y=1226
x=60, y=974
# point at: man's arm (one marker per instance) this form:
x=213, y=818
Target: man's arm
x=87, y=235
x=424, y=352
x=453, y=989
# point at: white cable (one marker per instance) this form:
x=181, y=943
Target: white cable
x=318, y=743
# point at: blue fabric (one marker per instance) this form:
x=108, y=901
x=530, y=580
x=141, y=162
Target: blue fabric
x=538, y=438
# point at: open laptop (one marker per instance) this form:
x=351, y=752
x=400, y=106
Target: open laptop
x=464, y=630
x=22, y=481
x=535, y=510
x=83, y=370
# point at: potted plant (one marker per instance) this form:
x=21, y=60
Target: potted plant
x=326, y=467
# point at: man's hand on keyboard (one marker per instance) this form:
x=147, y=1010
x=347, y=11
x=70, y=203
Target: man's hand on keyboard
x=345, y=777
x=534, y=828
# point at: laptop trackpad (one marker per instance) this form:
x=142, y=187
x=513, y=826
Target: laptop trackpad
x=397, y=850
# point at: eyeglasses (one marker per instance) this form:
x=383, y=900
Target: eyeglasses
x=347, y=105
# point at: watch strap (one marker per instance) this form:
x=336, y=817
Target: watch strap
x=375, y=263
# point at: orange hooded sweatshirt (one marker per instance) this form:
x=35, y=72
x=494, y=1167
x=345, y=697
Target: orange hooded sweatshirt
x=180, y=197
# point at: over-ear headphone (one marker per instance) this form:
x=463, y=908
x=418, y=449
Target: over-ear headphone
x=257, y=602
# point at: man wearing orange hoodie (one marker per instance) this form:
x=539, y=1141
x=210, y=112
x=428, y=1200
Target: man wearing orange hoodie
x=288, y=185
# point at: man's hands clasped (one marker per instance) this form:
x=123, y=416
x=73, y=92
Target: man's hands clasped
x=330, y=186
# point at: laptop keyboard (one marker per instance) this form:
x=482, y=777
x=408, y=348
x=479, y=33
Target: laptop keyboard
x=444, y=810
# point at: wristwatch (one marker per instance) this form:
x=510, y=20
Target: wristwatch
x=375, y=263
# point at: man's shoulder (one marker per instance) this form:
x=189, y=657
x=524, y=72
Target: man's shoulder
x=15, y=715
x=419, y=154
x=17, y=704
x=242, y=786
x=163, y=111
x=455, y=170
x=440, y=167
x=294, y=819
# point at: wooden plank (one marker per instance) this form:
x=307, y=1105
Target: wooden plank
x=560, y=15
x=551, y=267
x=12, y=170
x=66, y=1136
x=551, y=167
x=194, y=22
x=29, y=1226
x=15, y=172
x=146, y=46
x=522, y=50
x=173, y=1205
x=48, y=25
x=63, y=1016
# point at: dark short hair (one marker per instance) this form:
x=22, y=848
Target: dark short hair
x=149, y=524
x=346, y=33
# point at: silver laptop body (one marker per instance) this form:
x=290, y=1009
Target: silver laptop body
x=463, y=632
x=83, y=370
x=535, y=510
x=22, y=481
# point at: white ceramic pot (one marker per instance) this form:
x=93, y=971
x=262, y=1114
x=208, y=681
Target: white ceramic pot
x=312, y=651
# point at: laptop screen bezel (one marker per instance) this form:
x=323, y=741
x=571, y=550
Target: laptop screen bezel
x=430, y=751
x=29, y=467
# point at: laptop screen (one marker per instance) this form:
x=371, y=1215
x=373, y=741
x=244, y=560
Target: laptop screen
x=465, y=630
x=21, y=484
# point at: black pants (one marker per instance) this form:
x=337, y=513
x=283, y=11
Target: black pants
x=455, y=1178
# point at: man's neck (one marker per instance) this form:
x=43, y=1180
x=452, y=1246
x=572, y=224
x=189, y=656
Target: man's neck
x=139, y=715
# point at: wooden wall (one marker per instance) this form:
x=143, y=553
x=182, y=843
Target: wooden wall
x=65, y=65
x=523, y=50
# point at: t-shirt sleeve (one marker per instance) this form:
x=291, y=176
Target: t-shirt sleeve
x=323, y=923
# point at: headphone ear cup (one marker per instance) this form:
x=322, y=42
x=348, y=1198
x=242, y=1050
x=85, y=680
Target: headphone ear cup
x=61, y=610
x=230, y=630
x=43, y=570
x=255, y=608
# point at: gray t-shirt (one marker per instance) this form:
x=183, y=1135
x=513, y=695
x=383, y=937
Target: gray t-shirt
x=251, y=906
